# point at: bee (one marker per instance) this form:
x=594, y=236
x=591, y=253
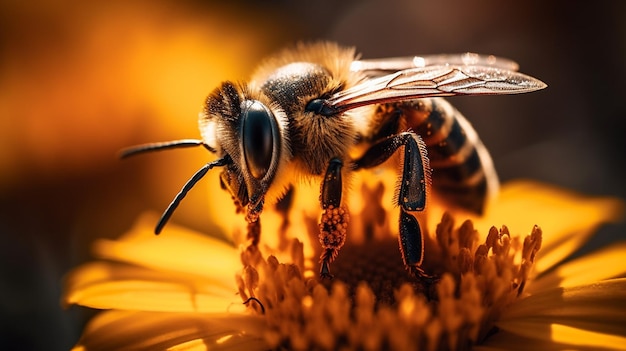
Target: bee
x=318, y=112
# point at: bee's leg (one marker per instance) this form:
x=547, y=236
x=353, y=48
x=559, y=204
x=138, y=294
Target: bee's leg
x=335, y=217
x=411, y=196
x=254, y=225
x=283, y=207
x=251, y=254
x=254, y=233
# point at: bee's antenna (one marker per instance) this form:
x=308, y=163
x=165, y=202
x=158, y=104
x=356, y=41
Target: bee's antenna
x=134, y=150
x=183, y=192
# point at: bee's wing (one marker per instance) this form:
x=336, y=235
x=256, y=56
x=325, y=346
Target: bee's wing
x=380, y=67
x=441, y=80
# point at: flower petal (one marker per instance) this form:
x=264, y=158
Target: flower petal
x=131, y=330
x=178, y=250
x=107, y=285
x=566, y=334
x=506, y=341
x=566, y=218
x=590, y=315
x=599, y=265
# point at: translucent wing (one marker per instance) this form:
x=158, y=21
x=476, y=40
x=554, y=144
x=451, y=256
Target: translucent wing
x=380, y=67
x=429, y=81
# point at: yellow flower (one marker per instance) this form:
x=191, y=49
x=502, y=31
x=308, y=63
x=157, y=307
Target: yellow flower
x=495, y=290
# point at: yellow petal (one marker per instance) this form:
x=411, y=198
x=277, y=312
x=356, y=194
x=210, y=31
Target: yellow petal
x=177, y=250
x=568, y=337
x=505, y=341
x=597, y=309
x=130, y=330
x=566, y=218
x=565, y=334
x=600, y=265
x=106, y=285
x=550, y=256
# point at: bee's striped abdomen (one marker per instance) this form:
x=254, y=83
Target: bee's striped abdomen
x=463, y=172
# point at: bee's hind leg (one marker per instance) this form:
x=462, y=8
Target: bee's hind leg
x=412, y=192
x=334, y=221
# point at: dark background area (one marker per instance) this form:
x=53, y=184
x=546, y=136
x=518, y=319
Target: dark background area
x=80, y=81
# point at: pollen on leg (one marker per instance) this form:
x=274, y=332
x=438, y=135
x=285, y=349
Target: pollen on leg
x=332, y=235
x=254, y=233
x=333, y=227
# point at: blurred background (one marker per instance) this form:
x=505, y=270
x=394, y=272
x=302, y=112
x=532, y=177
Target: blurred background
x=80, y=80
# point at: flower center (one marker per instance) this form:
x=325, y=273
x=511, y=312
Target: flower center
x=373, y=302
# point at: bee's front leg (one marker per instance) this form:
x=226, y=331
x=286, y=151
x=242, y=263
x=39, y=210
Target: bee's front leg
x=254, y=225
x=411, y=196
x=254, y=233
x=334, y=221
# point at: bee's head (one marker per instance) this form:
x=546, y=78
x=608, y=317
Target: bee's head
x=252, y=131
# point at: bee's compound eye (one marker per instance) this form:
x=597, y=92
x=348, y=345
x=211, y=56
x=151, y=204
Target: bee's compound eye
x=257, y=131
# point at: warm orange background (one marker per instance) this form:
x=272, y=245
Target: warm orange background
x=80, y=80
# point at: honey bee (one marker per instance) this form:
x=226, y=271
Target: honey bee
x=318, y=112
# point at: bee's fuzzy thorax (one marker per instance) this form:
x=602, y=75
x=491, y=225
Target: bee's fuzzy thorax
x=336, y=59
x=296, y=76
